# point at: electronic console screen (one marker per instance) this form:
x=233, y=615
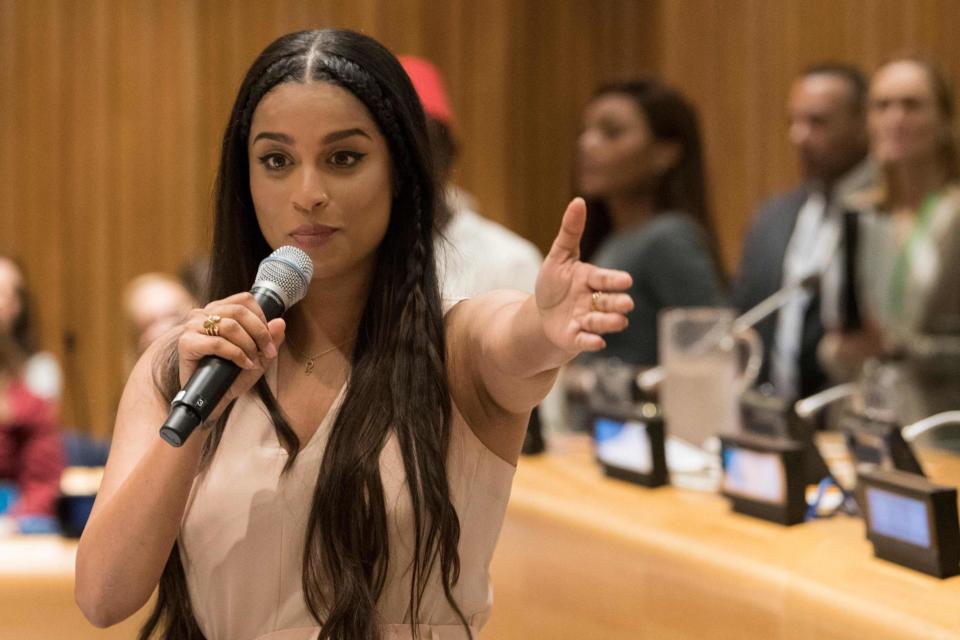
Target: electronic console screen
x=899, y=517
x=755, y=475
x=624, y=444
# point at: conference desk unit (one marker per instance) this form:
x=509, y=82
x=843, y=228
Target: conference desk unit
x=585, y=557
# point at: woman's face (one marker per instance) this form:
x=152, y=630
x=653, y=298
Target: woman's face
x=616, y=151
x=903, y=119
x=320, y=176
x=10, y=282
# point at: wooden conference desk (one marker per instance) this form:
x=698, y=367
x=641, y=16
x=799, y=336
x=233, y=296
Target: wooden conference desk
x=36, y=594
x=585, y=557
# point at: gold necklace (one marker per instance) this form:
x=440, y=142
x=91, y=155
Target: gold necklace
x=309, y=363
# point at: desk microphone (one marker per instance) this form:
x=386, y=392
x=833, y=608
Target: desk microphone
x=282, y=281
x=811, y=405
x=911, y=431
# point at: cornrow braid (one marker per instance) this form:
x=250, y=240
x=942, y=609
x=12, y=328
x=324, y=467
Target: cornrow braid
x=420, y=338
x=354, y=78
x=281, y=70
x=424, y=339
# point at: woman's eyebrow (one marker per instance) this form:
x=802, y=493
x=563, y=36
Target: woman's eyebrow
x=333, y=136
x=278, y=137
x=345, y=133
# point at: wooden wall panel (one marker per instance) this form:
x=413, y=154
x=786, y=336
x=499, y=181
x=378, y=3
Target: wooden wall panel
x=563, y=51
x=111, y=112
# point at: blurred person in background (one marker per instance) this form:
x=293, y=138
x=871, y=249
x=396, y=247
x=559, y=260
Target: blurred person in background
x=154, y=303
x=31, y=451
x=41, y=371
x=797, y=233
x=474, y=254
x=909, y=250
x=640, y=167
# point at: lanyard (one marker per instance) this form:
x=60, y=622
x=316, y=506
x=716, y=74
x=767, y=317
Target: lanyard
x=901, y=268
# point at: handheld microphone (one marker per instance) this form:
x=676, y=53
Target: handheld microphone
x=282, y=281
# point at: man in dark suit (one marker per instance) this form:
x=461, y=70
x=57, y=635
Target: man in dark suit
x=798, y=233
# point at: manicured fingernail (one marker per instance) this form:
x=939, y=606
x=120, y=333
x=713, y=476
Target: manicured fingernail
x=248, y=364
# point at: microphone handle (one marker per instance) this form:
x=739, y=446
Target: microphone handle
x=209, y=383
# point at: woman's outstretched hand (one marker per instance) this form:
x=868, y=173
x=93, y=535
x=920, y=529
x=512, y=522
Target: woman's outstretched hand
x=579, y=302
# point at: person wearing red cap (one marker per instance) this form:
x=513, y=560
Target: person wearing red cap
x=474, y=253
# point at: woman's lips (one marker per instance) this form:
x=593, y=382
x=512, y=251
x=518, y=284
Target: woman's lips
x=312, y=236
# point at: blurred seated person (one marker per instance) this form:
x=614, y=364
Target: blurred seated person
x=640, y=168
x=40, y=370
x=797, y=233
x=909, y=243
x=31, y=454
x=474, y=254
x=153, y=302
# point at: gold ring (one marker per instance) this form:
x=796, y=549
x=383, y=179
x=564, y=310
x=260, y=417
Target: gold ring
x=595, y=300
x=211, y=326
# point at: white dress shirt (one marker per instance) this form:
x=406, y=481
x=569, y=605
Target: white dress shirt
x=476, y=255
x=814, y=248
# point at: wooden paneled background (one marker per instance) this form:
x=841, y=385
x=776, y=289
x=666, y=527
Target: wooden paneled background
x=111, y=113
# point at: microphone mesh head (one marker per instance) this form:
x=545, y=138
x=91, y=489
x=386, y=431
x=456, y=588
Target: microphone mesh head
x=288, y=272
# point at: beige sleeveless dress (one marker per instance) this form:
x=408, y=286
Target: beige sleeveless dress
x=241, y=540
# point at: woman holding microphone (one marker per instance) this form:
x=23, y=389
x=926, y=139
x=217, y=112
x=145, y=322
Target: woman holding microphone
x=353, y=482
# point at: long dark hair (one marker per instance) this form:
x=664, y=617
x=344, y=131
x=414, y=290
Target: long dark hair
x=398, y=382
x=684, y=185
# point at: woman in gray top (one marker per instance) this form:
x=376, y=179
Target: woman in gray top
x=640, y=166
